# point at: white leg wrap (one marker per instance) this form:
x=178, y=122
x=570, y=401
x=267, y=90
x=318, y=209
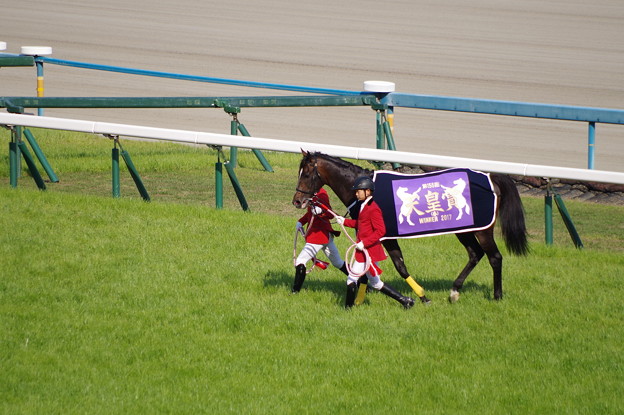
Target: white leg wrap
x=454, y=296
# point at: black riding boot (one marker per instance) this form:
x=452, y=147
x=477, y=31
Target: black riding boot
x=300, y=274
x=363, y=280
x=343, y=268
x=351, y=292
x=407, y=302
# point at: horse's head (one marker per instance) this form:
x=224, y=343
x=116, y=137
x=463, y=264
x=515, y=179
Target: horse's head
x=309, y=182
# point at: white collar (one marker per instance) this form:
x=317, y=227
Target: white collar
x=365, y=202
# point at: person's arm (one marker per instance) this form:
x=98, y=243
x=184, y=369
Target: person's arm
x=349, y=223
x=305, y=218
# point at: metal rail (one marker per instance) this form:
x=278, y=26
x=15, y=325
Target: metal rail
x=186, y=102
x=340, y=98
x=296, y=146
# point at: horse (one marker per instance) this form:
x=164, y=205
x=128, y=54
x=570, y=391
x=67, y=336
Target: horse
x=318, y=169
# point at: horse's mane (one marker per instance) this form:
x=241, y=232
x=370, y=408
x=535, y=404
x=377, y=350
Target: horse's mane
x=356, y=170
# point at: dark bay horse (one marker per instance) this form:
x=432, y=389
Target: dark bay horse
x=318, y=169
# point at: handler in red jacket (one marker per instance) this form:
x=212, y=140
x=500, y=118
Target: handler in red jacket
x=320, y=235
x=370, y=228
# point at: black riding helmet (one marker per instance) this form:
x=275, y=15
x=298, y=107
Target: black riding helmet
x=363, y=182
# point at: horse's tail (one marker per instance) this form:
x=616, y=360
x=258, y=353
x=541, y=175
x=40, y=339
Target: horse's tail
x=511, y=215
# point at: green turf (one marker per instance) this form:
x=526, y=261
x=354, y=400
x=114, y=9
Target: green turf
x=121, y=306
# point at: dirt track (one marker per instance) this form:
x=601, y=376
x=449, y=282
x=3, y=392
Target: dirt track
x=535, y=51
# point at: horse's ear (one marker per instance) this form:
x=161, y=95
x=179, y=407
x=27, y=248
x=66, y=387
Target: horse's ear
x=305, y=153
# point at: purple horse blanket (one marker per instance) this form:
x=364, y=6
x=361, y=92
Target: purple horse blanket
x=442, y=202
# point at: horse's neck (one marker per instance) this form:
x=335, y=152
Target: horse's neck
x=343, y=192
x=341, y=182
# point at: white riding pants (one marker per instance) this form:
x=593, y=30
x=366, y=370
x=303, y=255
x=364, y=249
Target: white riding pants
x=330, y=250
x=373, y=279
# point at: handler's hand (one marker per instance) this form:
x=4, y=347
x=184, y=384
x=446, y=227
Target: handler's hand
x=316, y=210
x=360, y=246
x=340, y=220
x=299, y=226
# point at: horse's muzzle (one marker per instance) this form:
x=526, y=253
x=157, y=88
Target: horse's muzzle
x=300, y=202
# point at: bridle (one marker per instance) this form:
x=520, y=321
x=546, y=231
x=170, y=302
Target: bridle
x=304, y=191
x=315, y=176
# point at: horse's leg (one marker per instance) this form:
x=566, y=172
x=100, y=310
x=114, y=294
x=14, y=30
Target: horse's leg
x=475, y=253
x=486, y=239
x=394, y=251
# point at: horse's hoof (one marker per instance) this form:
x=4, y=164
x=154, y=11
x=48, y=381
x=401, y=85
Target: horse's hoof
x=453, y=297
x=425, y=300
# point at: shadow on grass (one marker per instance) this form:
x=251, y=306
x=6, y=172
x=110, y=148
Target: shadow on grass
x=329, y=280
x=334, y=282
x=469, y=288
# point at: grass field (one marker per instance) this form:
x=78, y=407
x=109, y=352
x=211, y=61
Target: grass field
x=121, y=306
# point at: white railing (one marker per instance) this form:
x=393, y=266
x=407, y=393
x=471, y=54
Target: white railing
x=357, y=153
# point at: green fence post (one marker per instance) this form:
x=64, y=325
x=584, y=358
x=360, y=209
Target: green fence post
x=548, y=221
x=39, y=153
x=381, y=145
x=237, y=187
x=18, y=138
x=258, y=153
x=219, y=185
x=567, y=219
x=390, y=140
x=13, y=162
x=389, y=137
x=234, y=150
x=30, y=162
x=116, y=187
x=135, y=175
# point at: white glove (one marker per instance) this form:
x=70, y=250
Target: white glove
x=299, y=226
x=340, y=220
x=360, y=246
x=316, y=210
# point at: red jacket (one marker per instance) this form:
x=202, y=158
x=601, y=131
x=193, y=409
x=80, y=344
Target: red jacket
x=370, y=227
x=318, y=232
